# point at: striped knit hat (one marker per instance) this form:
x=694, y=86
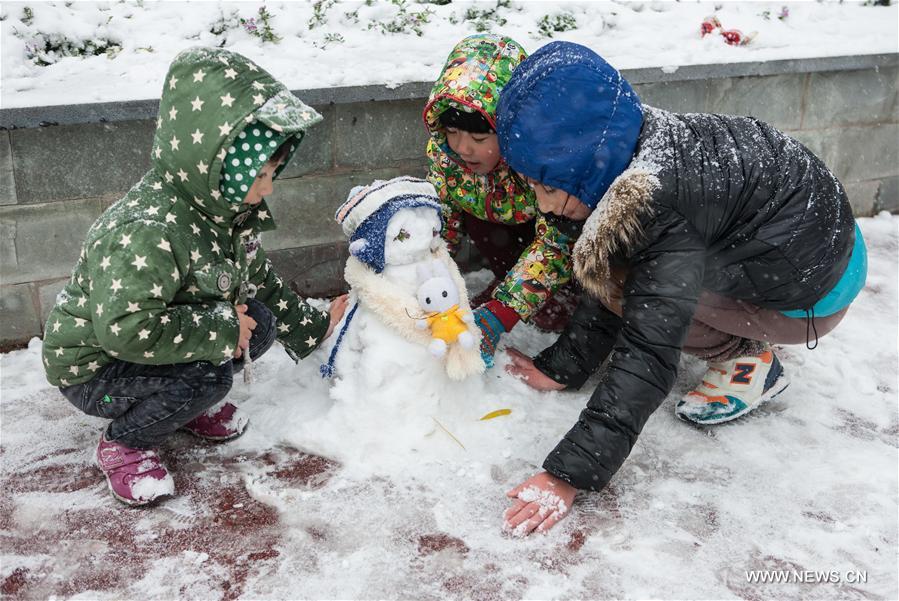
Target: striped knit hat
x=368, y=209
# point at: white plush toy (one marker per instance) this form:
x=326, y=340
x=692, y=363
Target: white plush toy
x=438, y=297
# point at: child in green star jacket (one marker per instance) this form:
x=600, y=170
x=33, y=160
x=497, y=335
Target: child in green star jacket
x=172, y=290
x=482, y=197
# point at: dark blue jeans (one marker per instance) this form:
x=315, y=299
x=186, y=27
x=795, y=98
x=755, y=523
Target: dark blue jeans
x=147, y=403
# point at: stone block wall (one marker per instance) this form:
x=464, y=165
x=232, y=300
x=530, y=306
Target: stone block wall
x=61, y=166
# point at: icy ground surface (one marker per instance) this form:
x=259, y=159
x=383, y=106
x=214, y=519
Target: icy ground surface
x=807, y=483
x=345, y=44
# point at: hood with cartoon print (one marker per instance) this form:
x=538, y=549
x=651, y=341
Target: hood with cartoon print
x=475, y=72
x=161, y=269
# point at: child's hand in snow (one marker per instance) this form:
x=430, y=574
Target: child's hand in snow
x=247, y=325
x=523, y=367
x=540, y=502
x=337, y=309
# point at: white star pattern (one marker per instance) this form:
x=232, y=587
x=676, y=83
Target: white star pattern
x=168, y=177
x=258, y=85
x=213, y=335
x=125, y=241
x=177, y=339
x=195, y=255
x=175, y=275
x=227, y=100
x=104, y=263
x=99, y=309
x=224, y=129
x=164, y=319
x=251, y=67
x=148, y=354
x=63, y=381
x=82, y=300
x=258, y=99
x=305, y=321
x=283, y=328
x=182, y=174
x=153, y=211
x=115, y=329
x=215, y=194
x=202, y=167
x=59, y=352
x=93, y=366
x=230, y=73
x=196, y=104
x=188, y=355
x=218, y=219
x=158, y=152
x=172, y=82
x=79, y=323
x=311, y=341
x=197, y=136
x=173, y=113
x=133, y=307
x=156, y=290
x=199, y=75
x=139, y=262
x=196, y=319
x=156, y=185
x=193, y=290
x=282, y=305
x=143, y=334
x=56, y=325
x=164, y=244
x=249, y=118
x=227, y=351
x=174, y=142
x=215, y=247
x=74, y=369
x=116, y=285
x=263, y=215
x=222, y=154
x=170, y=218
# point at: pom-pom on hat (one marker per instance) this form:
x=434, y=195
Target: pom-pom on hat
x=368, y=209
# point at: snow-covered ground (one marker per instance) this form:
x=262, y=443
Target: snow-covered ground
x=809, y=482
x=329, y=43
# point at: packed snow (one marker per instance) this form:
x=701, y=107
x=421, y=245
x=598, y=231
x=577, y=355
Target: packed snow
x=129, y=44
x=405, y=500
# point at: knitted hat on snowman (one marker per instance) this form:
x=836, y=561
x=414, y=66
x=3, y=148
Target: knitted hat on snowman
x=368, y=209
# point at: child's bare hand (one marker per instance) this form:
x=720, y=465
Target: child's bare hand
x=337, y=309
x=247, y=325
x=523, y=367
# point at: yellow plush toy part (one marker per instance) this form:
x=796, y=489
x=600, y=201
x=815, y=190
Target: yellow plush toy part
x=439, y=298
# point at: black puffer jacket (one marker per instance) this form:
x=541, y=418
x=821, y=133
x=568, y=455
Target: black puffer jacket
x=727, y=204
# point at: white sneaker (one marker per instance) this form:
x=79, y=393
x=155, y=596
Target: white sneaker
x=733, y=388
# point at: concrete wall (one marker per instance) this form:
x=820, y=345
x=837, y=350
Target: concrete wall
x=60, y=167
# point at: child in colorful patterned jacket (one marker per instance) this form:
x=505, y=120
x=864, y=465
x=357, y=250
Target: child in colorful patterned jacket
x=482, y=197
x=172, y=293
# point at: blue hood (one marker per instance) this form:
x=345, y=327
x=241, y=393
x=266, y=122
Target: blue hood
x=569, y=120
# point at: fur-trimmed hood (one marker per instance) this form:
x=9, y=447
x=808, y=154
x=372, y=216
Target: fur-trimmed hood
x=614, y=226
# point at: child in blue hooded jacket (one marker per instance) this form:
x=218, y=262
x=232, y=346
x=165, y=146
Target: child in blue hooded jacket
x=711, y=234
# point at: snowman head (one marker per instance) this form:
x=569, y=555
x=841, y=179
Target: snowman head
x=392, y=222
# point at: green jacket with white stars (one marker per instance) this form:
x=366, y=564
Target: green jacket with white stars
x=161, y=270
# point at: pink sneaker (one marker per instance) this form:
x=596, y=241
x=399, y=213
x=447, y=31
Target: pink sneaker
x=222, y=422
x=135, y=476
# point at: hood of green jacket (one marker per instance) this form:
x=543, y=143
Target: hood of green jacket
x=475, y=72
x=209, y=96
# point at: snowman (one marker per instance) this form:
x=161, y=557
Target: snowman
x=406, y=351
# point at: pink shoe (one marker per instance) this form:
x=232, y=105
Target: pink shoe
x=135, y=476
x=222, y=422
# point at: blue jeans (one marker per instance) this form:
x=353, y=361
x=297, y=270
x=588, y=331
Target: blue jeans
x=147, y=403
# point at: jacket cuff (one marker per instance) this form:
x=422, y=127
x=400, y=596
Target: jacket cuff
x=506, y=315
x=560, y=367
x=302, y=341
x=576, y=466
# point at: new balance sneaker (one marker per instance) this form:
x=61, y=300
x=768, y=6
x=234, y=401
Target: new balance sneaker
x=223, y=421
x=733, y=388
x=134, y=476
